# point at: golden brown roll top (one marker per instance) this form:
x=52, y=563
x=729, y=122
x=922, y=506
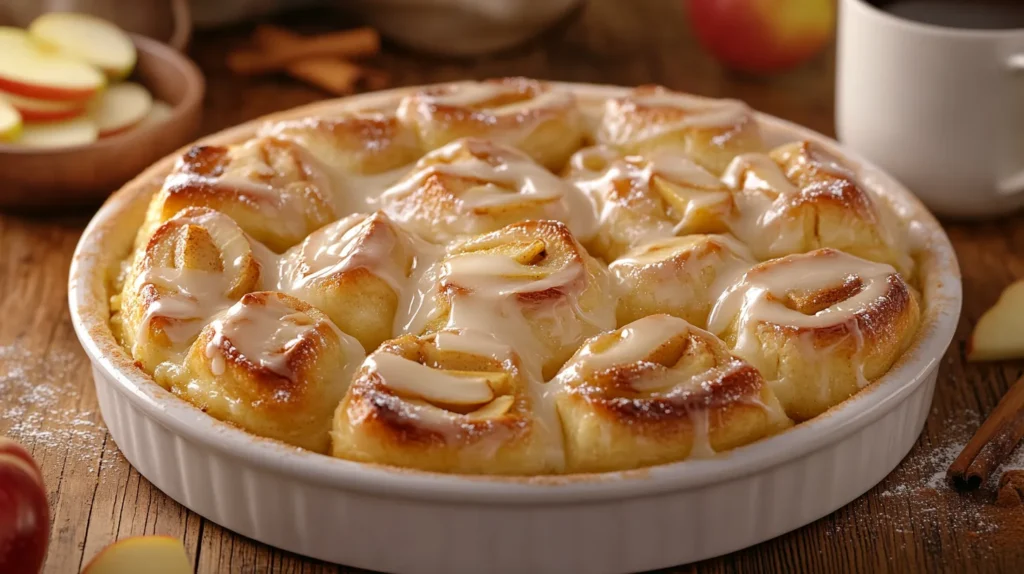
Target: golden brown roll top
x=273, y=188
x=474, y=186
x=819, y=326
x=678, y=276
x=710, y=131
x=531, y=283
x=355, y=270
x=532, y=116
x=799, y=198
x=364, y=151
x=272, y=365
x=452, y=401
x=641, y=198
x=192, y=266
x=659, y=390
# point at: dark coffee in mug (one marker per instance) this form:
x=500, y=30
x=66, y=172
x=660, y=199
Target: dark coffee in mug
x=967, y=14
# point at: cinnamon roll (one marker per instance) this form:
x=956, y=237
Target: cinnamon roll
x=355, y=270
x=679, y=276
x=659, y=390
x=193, y=266
x=819, y=326
x=527, y=114
x=273, y=188
x=452, y=401
x=473, y=186
x=642, y=198
x=531, y=283
x=273, y=365
x=710, y=131
x=364, y=151
x=799, y=198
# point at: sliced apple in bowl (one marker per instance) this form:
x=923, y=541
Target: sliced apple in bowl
x=36, y=110
x=93, y=40
x=10, y=122
x=29, y=71
x=69, y=133
x=120, y=107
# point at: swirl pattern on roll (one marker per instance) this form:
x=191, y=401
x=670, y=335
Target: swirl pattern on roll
x=473, y=186
x=273, y=188
x=194, y=265
x=799, y=198
x=659, y=390
x=273, y=365
x=641, y=198
x=820, y=326
x=532, y=282
x=455, y=401
x=710, y=131
x=527, y=114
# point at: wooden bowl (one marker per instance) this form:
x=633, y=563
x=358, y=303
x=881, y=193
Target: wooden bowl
x=32, y=178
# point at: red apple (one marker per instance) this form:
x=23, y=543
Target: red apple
x=24, y=512
x=762, y=36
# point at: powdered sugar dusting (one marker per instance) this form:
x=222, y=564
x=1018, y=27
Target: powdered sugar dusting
x=42, y=403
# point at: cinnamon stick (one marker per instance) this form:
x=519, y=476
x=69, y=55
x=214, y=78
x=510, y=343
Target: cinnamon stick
x=328, y=73
x=348, y=44
x=992, y=443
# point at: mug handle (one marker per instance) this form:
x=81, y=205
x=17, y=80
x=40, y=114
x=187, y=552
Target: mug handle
x=1015, y=183
x=181, y=16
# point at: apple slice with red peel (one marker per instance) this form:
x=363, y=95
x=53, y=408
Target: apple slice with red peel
x=27, y=70
x=999, y=334
x=10, y=122
x=79, y=131
x=34, y=110
x=149, y=554
x=87, y=38
x=24, y=511
x=120, y=107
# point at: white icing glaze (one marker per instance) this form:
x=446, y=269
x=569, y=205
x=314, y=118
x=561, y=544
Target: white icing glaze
x=191, y=296
x=264, y=331
x=602, y=175
x=506, y=177
x=652, y=267
x=758, y=297
x=435, y=385
x=345, y=245
x=700, y=113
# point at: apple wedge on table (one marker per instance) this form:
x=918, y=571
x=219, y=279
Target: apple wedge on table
x=87, y=38
x=999, y=334
x=141, y=554
x=30, y=71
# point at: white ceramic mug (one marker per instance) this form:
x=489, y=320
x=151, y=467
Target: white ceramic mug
x=942, y=109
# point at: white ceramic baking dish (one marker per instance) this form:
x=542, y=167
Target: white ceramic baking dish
x=405, y=521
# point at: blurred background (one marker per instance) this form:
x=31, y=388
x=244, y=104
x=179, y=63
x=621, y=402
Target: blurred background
x=602, y=41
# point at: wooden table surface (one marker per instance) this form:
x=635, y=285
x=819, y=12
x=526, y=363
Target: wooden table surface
x=910, y=522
